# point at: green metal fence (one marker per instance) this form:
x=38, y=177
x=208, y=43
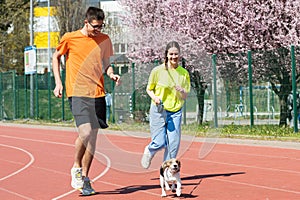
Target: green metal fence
x=247, y=94
x=19, y=100
x=256, y=89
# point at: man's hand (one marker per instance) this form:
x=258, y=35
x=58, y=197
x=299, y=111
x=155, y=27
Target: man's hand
x=116, y=78
x=58, y=90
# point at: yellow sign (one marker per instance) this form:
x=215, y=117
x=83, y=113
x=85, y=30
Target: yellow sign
x=41, y=39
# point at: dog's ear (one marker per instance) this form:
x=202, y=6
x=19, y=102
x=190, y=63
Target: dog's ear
x=166, y=164
x=178, y=163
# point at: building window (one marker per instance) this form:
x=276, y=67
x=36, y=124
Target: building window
x=42, y=61
x=120, y=48
x=116, y=48
x=123, y=49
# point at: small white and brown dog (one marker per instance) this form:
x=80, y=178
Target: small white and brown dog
x=170, y=174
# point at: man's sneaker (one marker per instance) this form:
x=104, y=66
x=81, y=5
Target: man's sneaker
x=76, y=174
x=146, y=159
x=87, y=188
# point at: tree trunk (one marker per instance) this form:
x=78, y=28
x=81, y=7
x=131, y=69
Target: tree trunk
x=200, y=97
x=282, y=94
x=283, y=110
x=200, y=91
x=199, y=87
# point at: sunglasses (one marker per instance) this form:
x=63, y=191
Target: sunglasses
x=97, y=26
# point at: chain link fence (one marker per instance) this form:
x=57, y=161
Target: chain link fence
x=251, y=88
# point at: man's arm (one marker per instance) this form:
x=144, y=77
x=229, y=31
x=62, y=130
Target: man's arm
x=110, y=71
x=56, y=72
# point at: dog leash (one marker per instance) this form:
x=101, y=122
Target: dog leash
x=167, y=137
x=195, y=187
x=171, y=77
x=165, y=118
x=168, y=144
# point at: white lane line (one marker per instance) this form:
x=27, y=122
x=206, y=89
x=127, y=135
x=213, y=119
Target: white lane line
x=94, y=179
x=249, y=184
x=143, y=191
x=247, y=166
x=16, y=194
x=35, y=140
x=259, y=155
x=108, y=166
x=23, y=168
x=259, y=186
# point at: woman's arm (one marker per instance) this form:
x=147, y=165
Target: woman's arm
x=151, y=94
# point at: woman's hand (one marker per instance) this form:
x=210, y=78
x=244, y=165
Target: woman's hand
x=182, y=91
x=157, y=100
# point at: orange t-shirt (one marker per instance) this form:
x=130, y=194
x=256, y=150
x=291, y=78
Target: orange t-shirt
x=84, y=70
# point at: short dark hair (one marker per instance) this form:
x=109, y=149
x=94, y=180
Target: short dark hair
x=94, y=13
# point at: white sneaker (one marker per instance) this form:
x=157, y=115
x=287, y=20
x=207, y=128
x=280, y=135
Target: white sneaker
x=146, y=159
x=76, y=174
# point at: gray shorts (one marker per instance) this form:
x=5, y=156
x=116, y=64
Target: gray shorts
x=89, y=110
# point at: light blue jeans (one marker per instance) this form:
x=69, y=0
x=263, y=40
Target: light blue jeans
x=165, y=129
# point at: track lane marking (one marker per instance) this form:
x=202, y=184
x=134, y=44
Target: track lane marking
x=108, y=166
x=23, y=168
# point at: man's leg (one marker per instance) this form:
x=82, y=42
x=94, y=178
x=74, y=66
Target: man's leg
x=84, y=144
x=80, y=150
x=85, y=147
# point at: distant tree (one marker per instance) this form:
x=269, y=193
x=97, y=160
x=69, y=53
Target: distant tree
x=14, y=33
x=266, y=27
x=223, y=27
x=70, y=15
x=152, y=24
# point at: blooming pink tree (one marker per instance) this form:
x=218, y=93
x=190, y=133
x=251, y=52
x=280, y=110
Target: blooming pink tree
x=267, y=27
x=222, y=27
x=152, y=24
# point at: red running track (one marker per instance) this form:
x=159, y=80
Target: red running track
x=35, y=164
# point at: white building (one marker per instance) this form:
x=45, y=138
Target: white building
x=114, y=29
x=117, y=32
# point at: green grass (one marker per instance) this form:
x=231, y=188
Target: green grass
x=17, y=109
x=258, y=132
x=264, y=132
